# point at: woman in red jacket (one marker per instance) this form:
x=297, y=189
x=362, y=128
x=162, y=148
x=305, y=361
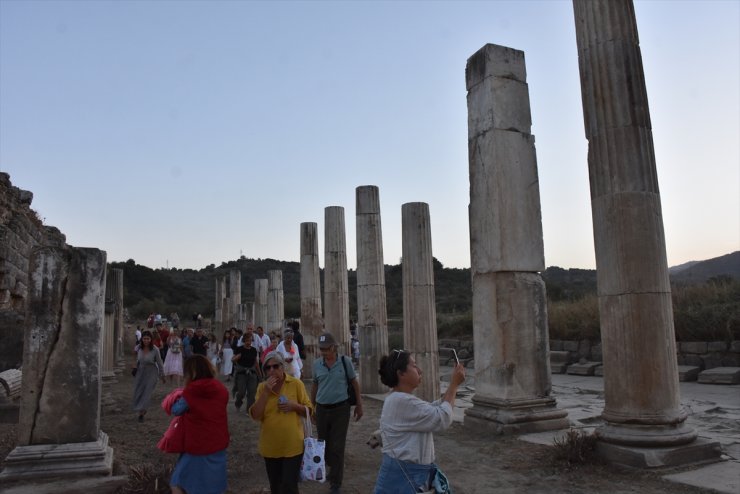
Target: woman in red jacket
x=202, y=467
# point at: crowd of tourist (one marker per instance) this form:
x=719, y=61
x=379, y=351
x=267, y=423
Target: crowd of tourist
x=265, y=371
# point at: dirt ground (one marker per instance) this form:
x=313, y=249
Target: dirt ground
x=474, y=463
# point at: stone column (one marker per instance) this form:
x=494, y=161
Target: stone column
x=118, y=350
x=275, y=305
x=235, y=296
x=249, y=312
x=419, y=311
x=218, y=317
x=372, y=316
x=336, y=292
x=107, y=337
x=59, y=428
x=645, y=425
x=512, y=365
x=312, y=324
x=260, y=303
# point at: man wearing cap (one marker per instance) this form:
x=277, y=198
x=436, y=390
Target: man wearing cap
x=331, y=375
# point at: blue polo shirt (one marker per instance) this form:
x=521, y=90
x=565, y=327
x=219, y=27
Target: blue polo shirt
x=332, y=382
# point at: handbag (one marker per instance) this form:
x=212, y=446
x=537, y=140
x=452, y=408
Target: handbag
x=173, y=440
x=313, y=466
x=352, y=397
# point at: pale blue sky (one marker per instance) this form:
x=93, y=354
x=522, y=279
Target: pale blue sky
x=189, y=132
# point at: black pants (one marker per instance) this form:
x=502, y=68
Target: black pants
x=332, y=424
x=245, y=383
x=283, y=474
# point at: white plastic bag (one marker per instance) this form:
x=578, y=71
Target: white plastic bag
x=313, y=466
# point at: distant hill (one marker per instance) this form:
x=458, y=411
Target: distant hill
x=673, y=270
x=699, y=272
x=186, y=291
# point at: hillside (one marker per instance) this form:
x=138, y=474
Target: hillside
x=187, y=291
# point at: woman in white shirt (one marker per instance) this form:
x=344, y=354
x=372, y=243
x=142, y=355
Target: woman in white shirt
x=407, y=424
x=289, y=351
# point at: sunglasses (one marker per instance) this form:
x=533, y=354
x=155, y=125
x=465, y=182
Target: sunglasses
x=273, y=366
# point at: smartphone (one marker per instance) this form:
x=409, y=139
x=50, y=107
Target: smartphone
x=455, y=354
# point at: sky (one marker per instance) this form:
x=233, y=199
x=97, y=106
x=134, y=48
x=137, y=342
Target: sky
x=188, y=133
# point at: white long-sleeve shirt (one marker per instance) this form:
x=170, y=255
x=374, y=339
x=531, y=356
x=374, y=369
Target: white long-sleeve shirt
x=407, y=423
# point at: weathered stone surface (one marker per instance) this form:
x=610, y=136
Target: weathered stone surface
x=700, y=450
x=642, y=405
x=735, y=346
x=717, y=346
x=597, y=353
x=556, y=345
x=687, y=373
x=372, y=316
x=60, y=402
x=583, y=368
x=336, y=285
x=499, y=103
x=730, y=360
x=698, y=347
x=570, y=346
x=720, y=375
x=312, y=321
x=419, y=311
x=693, y=360
x=495, y=61
x=599, y=370
x=260, y=303
x=507, y=232
x=275, y=303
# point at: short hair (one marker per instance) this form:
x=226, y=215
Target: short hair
x=198, y=367
x=275, y=355
x=391, y=365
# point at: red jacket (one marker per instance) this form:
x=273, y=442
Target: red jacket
x=206, y=423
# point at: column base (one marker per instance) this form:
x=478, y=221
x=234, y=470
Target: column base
x=516, y=416
x=698, y=451
x=54, y=460
x=646, y=436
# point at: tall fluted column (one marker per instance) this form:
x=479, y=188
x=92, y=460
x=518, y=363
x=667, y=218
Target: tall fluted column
x=512, y=366
x=372, y=316
x=118, y=350
x=260, y=303
x=235, y=296
x=312, y=324
x=275, y=304
x=642, y=403
x=419, y=311
x=59, y=428
x=336, y=293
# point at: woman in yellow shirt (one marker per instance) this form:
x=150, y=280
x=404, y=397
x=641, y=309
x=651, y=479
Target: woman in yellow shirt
x=280, y=403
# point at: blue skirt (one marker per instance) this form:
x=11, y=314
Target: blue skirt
x=403, y=477
x=201, y=474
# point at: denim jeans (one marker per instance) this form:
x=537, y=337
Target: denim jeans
x=403, y=477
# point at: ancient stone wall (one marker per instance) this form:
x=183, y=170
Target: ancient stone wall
x=21, y=230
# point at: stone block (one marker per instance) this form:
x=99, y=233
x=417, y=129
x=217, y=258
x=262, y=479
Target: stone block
x=712, y=360
x=584, y=349
x=596, y=353
x=731, y=360
x=693, y=360
x=495, y=61
x=680, y=359
x=619, y=235
x=505, y=214
x=720, y=375
x=700, y=450
x=556, y=345
x=599, y=370
x=583, y=368
x=558, y=368
x=687, y=373
x=696, y=347
x=559, y=357
x=499, y=103
x=717, y=346
x=735, y=346
x=570, y=346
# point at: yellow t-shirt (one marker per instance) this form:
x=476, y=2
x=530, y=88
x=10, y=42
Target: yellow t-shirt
x=281, y=434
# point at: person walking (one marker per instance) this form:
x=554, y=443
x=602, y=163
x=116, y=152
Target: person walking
x=262, y=341
x=332, y=373
x=199, y=342
x=173, y=360
x=201, y=468
x=407, y=424
x=214, y=350
x=298, y=338
x=227, y=351
x=290, y=353
x=281, y=402
x=247, y=371
x=148, y=369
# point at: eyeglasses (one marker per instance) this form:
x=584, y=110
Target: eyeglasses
x=273, y=366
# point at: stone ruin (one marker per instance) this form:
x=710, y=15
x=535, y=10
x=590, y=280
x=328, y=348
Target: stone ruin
x=62, y=328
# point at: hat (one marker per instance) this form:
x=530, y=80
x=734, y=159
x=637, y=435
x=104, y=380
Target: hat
x=326, y=340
